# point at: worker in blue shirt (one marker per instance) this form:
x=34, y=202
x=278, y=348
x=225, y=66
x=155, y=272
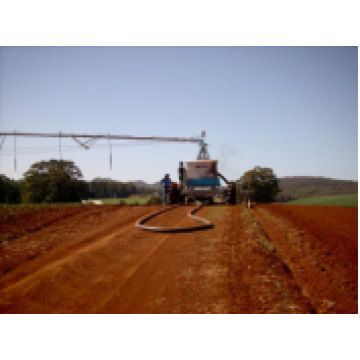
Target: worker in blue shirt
x=181, y=172
x=165, y=183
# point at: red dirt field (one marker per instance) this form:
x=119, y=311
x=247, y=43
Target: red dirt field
x=54, y=224
x=19, y=220
x=319, y=244
x=96, y=261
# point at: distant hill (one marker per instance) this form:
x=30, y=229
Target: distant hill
x=301, y=187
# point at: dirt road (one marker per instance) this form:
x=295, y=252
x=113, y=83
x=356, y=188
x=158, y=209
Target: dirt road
x=114, y=267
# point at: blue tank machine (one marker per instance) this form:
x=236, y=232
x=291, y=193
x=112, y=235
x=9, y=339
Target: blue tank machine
x=199, y=180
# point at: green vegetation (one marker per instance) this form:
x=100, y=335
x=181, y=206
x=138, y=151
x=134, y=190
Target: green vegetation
x=59, y=181
x=10, y=191
x=140, y=200
x=155, y=200
x=132, y=200
x=268, y=245
x=262, y=182
x=103, y=188
x=53, y=181
x=338, y=200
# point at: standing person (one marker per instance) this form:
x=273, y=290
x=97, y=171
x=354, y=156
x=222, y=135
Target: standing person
x=165, y=183
x=181, y=171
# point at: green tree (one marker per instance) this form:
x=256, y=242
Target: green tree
x=9, y=191
x=262, y=182
x=53, y=181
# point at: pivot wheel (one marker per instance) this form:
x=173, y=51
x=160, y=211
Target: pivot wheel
x=231, y=194
x=173, y=193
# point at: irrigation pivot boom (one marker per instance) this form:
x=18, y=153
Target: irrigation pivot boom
x=89, y=140
x=200, y=179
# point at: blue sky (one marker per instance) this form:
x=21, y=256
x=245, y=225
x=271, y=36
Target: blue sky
x=294, y=109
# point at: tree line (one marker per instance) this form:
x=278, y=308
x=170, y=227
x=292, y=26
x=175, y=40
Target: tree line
x=61, y=181
x=57, y=181
x=108, y=188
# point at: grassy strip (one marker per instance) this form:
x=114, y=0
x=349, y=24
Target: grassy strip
x=268, y=245
x=140, y=200
x=338, y=200
x=215, y=213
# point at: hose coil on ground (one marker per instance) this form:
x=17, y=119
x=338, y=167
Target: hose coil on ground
x=206, y=223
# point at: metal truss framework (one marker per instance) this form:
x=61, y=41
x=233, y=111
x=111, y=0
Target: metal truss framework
x=88, y=140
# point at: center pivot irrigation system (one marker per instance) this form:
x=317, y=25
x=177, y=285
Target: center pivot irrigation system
x=199, y=180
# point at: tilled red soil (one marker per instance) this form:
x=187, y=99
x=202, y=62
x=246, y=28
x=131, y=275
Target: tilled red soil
x=258, y=280
x=17, y=221
x=264, y=260
x=319, y=244
x=34, y=230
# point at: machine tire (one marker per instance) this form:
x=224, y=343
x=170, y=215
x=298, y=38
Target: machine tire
x=231, y=197
x=182, y=199
x=173, y=194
